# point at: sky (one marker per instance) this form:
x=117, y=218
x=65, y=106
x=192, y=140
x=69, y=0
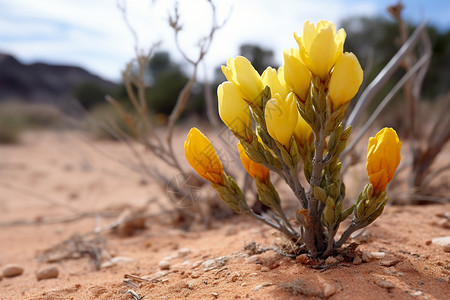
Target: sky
x=92, y=33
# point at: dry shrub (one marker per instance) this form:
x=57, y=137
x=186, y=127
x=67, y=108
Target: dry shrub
x=16, y=117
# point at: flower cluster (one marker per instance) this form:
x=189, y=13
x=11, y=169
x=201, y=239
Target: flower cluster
x=294, y=114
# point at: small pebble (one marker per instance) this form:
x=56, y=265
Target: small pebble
x=47, y=273
x=215, y=295
x=183, y=252
x=446, y=248
x=252, y=259
x=12, y=270
x=443, y=241
x=329, y=290
x=340, y=258
x=428, y=243
x=196, y=264
x=164, y=265
x=385, y=284
x=357, y=260
x=195, y=275
x=265, y=269
x=303, y=258
x=389, y=262
x=416, y=293
x=215, y=263
x=235, y=277
x=331, y=260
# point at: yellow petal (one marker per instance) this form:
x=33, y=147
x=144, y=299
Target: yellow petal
x=240, y=71
x=296, y=74
x=254, y=169
x=202, y=157
x=281, y=118
x=346, y=78
x=233, y=110
x=270, y=77
x=383, y=158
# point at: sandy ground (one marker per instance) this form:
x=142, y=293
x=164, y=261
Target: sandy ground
x=55, y=185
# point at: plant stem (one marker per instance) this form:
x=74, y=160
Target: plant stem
x=344, y=237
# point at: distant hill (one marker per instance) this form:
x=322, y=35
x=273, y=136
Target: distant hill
x=41, y=82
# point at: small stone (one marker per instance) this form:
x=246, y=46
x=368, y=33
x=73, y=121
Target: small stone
x=47, y=273
x=340, y=257
x=329, y=290
x=385, y=284
x=443, y=241
x=215, y=263
x=389, y=262
x=365, y=256
x=444, y=223
x=235, y=277
x=196, y=264
x=215, y=295
x=377, y=255
x=400, y=274
x=1, y=277
x=183, y=252
x=121, y=260
x=252, y=259
x=107, y=264
x=258, y=287
x=12, y=270
x=415, y=293
x=195, y=275
x=303, y=258
x=164, y=265
x=331, y=260
x=428, y=243
x=265, y=269
x=357, y=260
x=244, y=284
x=368, y=256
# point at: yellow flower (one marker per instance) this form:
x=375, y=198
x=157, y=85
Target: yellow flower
x=383, y=158
x=273, y=79
x=346, y=78
x=254, y=169
x=296, y=74
x=303, y=132
x=233, y=110
x=281, y=118
x=240, y=71
x=320, y=46
x=201, y=155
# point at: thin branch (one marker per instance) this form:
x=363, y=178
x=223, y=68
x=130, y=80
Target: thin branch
x=377, y=84
x=422, y=62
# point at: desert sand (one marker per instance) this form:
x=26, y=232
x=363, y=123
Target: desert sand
x=62, y=191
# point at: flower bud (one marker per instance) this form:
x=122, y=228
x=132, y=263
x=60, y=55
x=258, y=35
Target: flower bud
x=281, y=118
x=277, y=85
x=345, y=80
x=383, y=158
x=233, y=110
x=303, y=132
x=296, y=74
x=320, y=46
x=240, y=71
x=201, y=155
x=254, y=169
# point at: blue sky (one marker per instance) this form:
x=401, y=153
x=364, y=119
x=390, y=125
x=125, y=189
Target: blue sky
x=92, y=34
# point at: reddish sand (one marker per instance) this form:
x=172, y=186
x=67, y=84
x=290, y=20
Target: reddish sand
x=51, y=177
